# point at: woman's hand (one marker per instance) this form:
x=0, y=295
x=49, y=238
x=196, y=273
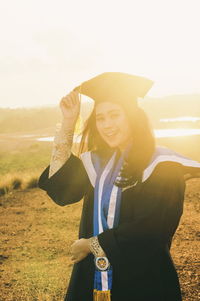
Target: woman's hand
x=70, y=107
x=80, y=249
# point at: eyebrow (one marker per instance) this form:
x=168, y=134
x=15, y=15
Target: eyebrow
x=111, y=111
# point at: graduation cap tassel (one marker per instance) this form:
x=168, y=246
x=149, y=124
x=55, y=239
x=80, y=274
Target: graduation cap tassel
x=101, y=295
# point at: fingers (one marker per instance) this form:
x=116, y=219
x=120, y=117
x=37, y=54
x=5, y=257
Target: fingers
x=78, y=257
x=74, y=243
x=71, y=99
x=66, y=101
x=75, y=97
x=74, y=258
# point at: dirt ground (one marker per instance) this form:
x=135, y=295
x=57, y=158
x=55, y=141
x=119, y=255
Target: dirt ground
x=36, y=234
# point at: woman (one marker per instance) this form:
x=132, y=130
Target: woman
x=133, y=194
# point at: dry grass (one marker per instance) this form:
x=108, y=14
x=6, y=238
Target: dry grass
x=18, y=180
x=35, y=239
x=36, y=236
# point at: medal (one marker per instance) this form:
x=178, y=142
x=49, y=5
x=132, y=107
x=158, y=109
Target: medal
x=102, y=263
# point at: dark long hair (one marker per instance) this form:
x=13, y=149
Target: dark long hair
x=143, y=141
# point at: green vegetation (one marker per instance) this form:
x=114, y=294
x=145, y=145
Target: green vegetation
x=20, y=120
x=34, y=119
x=21, y=165
x=25, y=159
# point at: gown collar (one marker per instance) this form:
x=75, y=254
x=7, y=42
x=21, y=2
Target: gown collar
x=161, y=154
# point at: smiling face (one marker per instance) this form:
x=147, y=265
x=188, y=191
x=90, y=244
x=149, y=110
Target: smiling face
x=113, y=125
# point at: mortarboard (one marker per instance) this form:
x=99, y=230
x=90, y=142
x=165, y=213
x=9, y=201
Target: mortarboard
x=115, y=86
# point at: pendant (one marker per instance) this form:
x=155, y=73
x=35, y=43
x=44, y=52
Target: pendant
x=102, y=263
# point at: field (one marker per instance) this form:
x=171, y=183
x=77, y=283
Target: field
x=36, y=234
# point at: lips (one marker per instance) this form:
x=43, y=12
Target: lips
x=111, y=134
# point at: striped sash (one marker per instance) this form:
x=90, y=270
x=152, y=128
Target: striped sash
x=107, y=197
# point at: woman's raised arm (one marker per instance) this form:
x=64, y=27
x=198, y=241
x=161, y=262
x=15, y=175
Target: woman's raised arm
x=65, y=179
x=62, y=145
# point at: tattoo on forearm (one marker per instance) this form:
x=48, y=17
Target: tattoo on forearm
x=61, y=148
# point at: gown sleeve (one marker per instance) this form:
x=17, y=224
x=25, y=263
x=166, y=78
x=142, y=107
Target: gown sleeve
x=155, y=221
x=68, y=184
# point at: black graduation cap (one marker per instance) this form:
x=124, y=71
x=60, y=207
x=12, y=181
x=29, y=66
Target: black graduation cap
x=116, y=87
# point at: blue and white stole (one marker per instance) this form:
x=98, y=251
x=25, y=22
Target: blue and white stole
x=107, y=199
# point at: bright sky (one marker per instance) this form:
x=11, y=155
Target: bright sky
x=48, y=47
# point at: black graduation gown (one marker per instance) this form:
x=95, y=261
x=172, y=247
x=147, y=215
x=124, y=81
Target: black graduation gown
x=138, y=249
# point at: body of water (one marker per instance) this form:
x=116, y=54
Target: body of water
x=176, y=132
x=159, y=133
x=182, y=118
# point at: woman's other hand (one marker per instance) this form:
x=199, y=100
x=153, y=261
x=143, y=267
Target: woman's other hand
x=70, y=108
x=80, y=249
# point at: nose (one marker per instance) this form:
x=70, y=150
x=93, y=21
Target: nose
x=107, y=123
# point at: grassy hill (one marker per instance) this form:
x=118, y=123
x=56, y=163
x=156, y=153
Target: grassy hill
x=38, y=119
x=171, y=107
x=28, y=120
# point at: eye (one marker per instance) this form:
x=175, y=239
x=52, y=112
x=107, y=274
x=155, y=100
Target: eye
x=99, y=119
x=114, y=115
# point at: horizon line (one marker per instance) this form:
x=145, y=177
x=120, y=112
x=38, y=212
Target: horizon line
x=88, y=100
